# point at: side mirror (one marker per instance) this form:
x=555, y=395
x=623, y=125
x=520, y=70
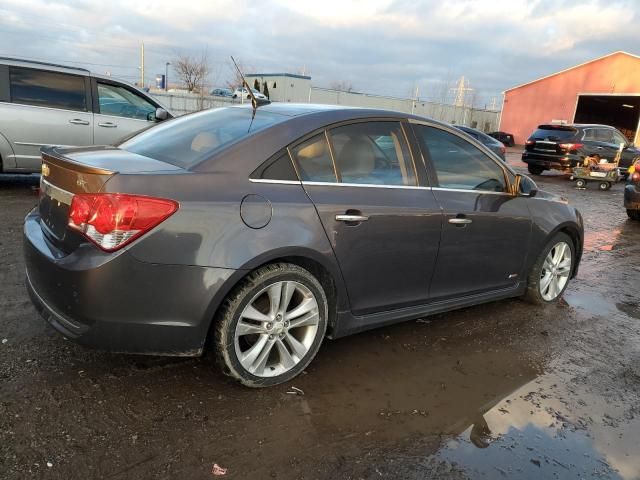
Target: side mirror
x=161, y=114
x=523, y=185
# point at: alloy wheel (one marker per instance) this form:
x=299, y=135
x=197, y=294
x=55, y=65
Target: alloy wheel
x=276, y=329
x=555, y=271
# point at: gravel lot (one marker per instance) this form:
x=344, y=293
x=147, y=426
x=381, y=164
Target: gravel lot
x=498, y=390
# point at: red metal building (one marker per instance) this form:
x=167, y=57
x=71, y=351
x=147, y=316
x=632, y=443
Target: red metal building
x=605, y=90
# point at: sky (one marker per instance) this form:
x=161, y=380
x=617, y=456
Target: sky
x=387, y=47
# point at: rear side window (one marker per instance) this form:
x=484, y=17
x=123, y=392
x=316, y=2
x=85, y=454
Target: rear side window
x=189, y=140
x=314, y=160
x=553, y=134
x=278, y=168
x=459, y=164
x=47, y=89
x=372, y=153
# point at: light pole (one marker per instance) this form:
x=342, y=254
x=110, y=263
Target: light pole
x=166, y=76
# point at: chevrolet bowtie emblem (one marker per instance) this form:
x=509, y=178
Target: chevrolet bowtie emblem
x=81, y=183
x=45, y=170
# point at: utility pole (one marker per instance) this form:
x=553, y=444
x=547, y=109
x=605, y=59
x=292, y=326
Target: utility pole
x=493, y=103
x=142, y=66
x=166, y=76
x=415, y=99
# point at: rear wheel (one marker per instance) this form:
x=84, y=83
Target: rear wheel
x=272, y=325
x=535, y=170
x=633, y=214
x=549, y=276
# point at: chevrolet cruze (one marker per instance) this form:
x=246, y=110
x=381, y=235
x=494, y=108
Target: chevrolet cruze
x=267, y=231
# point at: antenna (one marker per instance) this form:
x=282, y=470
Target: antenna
x=255, y=103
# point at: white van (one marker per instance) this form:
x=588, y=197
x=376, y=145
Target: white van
x=44, y=104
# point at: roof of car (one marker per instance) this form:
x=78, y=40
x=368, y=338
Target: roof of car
x=578, y=125
x=297, y=109
x=23, y=62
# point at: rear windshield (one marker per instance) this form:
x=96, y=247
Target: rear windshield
x=189, y=140
x=552, y=133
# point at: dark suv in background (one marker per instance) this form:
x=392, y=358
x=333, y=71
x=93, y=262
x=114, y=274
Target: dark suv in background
x=562, y=147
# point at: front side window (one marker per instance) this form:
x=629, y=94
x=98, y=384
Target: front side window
x=618, y=138
x=459, y=164
x=47, y=89
x=121, y=102
x=373, y=153
x=314, y=160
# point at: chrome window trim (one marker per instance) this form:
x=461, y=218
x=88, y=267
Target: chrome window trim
x=365, y=185
x=56, y=193
x=268, y=180
x=462, y=190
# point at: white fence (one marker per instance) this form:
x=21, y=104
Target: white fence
x=485, y=120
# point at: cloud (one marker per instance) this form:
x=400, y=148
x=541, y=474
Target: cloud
x=379, y=46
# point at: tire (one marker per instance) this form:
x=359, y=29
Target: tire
x=633, y=214
x=535, y=170
x=604, y=186
x=536, y=292
x=580, y=183
x=256, y=341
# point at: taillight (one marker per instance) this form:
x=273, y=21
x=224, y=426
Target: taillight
x=635, y=177
x=571, y=146
x=530, y=142
x=111, y=220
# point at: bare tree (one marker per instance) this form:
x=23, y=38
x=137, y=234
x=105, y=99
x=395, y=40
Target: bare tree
x=192, y=70
x=341, y=85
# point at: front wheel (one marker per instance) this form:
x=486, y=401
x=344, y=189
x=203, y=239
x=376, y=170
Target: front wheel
x=604, y=186
x=535, y=170
x=549, y=276
x=272, y=325
x=633, y=214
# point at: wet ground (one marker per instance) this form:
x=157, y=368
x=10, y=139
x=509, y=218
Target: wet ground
x=502, y=390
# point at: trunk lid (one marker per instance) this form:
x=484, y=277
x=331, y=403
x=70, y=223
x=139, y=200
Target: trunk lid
x=68, y=171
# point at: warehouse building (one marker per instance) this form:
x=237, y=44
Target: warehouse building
x=605, y=90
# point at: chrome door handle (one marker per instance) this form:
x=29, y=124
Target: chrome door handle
x=599, y=148
x=351, y=218
x=460, y=221
x=107, y=125
x=79, y=121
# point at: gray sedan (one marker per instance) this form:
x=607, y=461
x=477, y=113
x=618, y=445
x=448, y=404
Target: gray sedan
x=268, y=233
x=491, y=143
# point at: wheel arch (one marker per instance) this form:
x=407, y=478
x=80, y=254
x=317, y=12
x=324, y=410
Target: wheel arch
x=325, y=271
x=574, y=233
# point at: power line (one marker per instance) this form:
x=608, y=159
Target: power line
x=42, y=59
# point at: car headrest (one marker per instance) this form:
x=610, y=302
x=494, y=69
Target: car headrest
x=204, y=141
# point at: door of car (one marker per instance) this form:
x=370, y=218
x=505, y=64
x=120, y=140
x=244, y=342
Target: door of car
x=119, y=112
x=384, y=226
x=45, y=108
x=486, y=231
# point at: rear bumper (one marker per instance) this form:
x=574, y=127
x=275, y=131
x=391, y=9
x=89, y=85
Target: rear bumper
x=117, y=303
x=632, y=197
x=551, y=162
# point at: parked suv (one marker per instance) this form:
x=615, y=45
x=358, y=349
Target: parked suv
x=562, y=147
x=43, y=104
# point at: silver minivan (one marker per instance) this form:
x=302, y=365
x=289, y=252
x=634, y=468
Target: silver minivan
x=44, y=104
